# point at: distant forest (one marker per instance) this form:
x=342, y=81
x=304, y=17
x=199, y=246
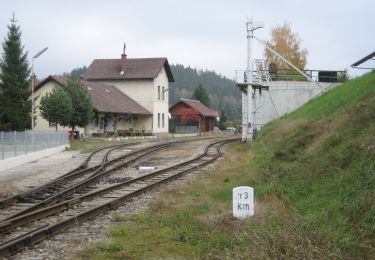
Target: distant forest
x=224, y=96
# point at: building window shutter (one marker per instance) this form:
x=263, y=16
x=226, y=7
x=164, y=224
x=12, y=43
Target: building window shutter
x=158, y=92
x=158, y=119
x=162, y=120
x=162, y=93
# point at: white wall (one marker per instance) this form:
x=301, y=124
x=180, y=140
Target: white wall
x=26, y=158
x=161, y=106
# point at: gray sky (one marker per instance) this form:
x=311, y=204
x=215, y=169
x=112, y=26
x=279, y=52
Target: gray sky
x=204, y=34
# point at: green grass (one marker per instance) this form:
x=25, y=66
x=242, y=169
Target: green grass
x=314, y=177
x=332, y=103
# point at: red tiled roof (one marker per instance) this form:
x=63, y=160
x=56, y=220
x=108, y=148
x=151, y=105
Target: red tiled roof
x=104, y=98
x=147, y=68
x=198, y=106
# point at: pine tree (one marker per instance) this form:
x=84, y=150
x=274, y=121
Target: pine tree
x=14, y=82
x=200, y=94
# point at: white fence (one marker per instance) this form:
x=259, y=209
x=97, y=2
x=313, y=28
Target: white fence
x=13, y=144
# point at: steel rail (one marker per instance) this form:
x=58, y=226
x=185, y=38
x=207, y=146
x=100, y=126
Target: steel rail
x=10, y=224
x=67, y=176
x=70, y=175
x=96, y=172
x=80, y=170
x=94, y=177
x=41, y=233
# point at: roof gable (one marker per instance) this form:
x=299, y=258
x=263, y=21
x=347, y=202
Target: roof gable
x=107, y=98
x=110, y=69
x=198, y=106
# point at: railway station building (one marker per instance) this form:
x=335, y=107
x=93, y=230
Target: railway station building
x=129, y=96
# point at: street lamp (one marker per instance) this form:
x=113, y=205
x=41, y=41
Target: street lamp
x=33, y=85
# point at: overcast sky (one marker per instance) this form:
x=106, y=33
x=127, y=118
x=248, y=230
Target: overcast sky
x=203, y=34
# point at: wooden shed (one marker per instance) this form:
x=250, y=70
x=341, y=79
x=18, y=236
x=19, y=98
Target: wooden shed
x=194, y=111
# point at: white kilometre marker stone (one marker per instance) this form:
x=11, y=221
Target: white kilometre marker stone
x=243, y=202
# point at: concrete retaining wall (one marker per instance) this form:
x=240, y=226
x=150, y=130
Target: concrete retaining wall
x=26, y=158
x=283, y=97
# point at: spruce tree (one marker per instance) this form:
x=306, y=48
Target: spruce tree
x=200, y=94
x=14, y=82
x=223, y=119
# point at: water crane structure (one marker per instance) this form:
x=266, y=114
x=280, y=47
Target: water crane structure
x=255, y=85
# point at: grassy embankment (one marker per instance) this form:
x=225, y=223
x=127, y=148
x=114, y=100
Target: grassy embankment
x=314, y=177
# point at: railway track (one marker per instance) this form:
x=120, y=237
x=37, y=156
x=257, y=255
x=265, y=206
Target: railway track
x=54, y=184
x=33, y=227
x=75, y=182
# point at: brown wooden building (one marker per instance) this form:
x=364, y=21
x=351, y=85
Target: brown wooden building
x=195, y=112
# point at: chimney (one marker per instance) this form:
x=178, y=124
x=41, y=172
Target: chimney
x=124, y=60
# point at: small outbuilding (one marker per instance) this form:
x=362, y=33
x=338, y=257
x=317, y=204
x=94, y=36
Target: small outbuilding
x=188, y=111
